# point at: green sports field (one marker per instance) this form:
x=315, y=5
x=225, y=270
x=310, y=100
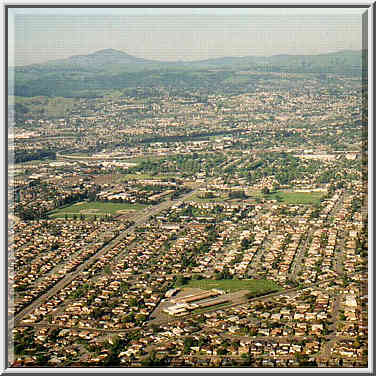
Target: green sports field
x=254, y=286
x=94, y=208
x=297, y=197
x=294, y=198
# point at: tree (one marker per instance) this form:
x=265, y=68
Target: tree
x=97, y=313
x=107, y=269
x=153, y=361
x=218, y=276
x=222, y=351
x=237, y=194
x=247, y=359
x=181, y=280
x=244, y=243
x=188, y=342
x=112, y=360
x=278, y=198
x=226, y=273
x=42, y=359
x=197, y=277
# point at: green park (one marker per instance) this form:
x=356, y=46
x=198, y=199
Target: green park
x=99, y=209
x=255, y=287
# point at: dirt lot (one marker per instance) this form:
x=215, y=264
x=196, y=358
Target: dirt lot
x=108, y=179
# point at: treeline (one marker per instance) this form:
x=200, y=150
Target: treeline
x=23, y=156
x=30, y=213
x=188, y=137
x=65, y=84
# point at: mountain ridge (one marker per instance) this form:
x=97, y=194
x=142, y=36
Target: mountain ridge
x=118, y=54
x=110, y=69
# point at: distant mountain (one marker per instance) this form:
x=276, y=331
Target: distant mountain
x=96, y=61
x=338, y=61
x=103, y=59
x=112, y=69
x=108, y=56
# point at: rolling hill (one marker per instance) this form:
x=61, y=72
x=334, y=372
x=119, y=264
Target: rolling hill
x=109, y=69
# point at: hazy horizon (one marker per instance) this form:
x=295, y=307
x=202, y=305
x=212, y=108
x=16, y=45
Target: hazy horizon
x=36, y=37
x=184, y=61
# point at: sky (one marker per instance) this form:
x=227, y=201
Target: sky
x=37, y=35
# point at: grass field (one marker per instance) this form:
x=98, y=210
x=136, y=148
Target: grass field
x=52, y=107
x=297, y=197
x=214, y=199
x=94, y=208
x=291, y=197
x=254, y=286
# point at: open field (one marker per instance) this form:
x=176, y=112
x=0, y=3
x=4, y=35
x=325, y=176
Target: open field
x=195, y=198
x=297, y=197
x=290, y=197
x=109, y=179
x=51, y=107
x=94, y=208
x=254, y=286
